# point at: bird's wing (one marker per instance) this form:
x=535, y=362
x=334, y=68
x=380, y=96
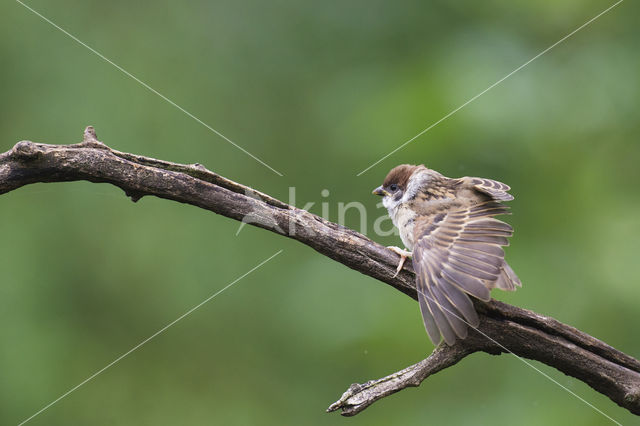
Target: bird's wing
x=496, y=190
x=457, y=254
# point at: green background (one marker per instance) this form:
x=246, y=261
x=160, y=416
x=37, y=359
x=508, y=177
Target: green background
x=318, y=90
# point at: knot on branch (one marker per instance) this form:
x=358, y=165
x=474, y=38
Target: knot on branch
x=26, y=151
x=134, y=195
x=632, y=397
x=90, y=139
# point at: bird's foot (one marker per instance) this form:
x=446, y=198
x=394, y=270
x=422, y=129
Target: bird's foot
x=404, y=254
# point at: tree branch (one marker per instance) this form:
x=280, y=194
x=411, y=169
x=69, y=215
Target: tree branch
x=503, y=328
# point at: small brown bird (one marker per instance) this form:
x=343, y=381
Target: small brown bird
x=456, y=243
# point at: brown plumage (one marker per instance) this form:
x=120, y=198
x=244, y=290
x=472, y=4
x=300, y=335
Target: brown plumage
x=456, y=242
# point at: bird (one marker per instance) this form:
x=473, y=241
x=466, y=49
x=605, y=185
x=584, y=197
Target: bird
x=448, y=228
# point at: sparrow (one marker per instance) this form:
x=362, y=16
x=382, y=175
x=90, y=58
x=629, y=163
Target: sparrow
x=449, y=229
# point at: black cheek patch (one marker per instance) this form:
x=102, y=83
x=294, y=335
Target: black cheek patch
x=397, y=196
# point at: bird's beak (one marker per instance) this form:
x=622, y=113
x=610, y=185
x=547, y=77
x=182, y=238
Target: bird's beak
x=380, y=191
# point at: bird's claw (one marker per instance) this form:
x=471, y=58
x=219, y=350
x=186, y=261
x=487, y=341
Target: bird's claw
x=404, y=254
x=400, y=265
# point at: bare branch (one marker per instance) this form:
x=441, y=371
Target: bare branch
x=507, y=329
x=503, y=328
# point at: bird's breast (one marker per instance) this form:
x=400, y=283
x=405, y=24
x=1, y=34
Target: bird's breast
x=404, y=218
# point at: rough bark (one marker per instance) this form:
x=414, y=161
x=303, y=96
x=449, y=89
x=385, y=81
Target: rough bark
x=503, y=328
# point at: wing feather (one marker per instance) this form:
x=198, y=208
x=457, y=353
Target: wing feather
x=472, y=267
x=475, y=255
x=441, y=321
x=427, y=317
x=493, y=188
x=478, y=263
x=451, y=314
x=469, y=284
x=459, y=254
x=493, y=224
x=460, y=300
x=480, y=238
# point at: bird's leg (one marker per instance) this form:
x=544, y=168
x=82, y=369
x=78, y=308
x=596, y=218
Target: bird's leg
x=403, y=257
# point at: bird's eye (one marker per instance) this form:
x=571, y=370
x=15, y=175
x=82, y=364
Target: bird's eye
x=393, y=187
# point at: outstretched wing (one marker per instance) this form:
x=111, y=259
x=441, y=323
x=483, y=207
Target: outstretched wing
x=458, y=254
x=496, y=190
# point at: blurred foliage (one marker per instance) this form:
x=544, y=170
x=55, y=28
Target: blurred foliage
x=318, y=90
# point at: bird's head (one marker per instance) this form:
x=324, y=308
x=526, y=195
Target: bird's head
x=395, y=185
